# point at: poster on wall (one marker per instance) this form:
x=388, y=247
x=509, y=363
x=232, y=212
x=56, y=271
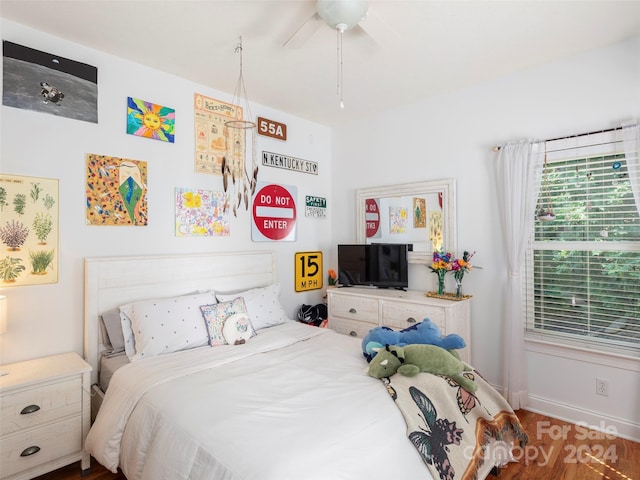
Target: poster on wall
x=419, y=212
x=148, y=120
x=435, y=229
x=274, y=213
x=398, y=220
x=48, y=83
x=210, y=116
x=29, y=230
x=200, y=213
x=116, y=191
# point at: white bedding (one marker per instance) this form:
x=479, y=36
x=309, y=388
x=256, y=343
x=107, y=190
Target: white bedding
x=295, y=402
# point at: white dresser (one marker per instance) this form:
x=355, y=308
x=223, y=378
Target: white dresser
x=45, y=415
x=354, y=311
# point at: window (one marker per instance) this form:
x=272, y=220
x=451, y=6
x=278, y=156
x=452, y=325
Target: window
x=583, y=268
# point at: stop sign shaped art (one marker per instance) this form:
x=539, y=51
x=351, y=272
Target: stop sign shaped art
x=372, y=217
x=274, y=213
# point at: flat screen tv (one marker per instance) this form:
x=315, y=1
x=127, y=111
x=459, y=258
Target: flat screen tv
x=382, y=265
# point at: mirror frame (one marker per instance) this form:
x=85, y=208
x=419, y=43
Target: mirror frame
x=448, y=188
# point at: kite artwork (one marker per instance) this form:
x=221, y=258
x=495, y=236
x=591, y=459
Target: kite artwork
x=116, y=191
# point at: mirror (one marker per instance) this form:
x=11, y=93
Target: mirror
x=420, y=213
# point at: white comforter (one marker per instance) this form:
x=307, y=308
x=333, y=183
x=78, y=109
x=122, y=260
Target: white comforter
x=295, y=402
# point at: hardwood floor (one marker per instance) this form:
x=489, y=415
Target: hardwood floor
x=557, y=450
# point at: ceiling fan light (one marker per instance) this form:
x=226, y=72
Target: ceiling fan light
x=347, y=12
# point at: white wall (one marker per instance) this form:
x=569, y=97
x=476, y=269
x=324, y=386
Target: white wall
x=452, y=136
x=47, y=319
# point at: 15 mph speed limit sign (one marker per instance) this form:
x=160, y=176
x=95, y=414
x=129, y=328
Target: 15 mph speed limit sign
x=274, y=213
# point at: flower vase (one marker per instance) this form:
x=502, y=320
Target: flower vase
x=441, y=274
x=458, y=288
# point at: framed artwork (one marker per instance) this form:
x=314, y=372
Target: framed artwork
x=398, y=220
x=435, y=229
x=419, y=212
x=200, y=213
x=210, y=116
x=48, y=83
x=116, y=191
x=29, y=230
x=148, y=120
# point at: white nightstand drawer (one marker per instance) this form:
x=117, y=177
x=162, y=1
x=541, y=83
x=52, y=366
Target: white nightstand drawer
x=40, y=405
x=353, y=328
x=402, y=315
x=48, y=443
x=354, y=308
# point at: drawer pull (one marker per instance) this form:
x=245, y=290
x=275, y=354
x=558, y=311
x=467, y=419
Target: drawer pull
x=30, y=409
x=30, y=451
x=353, y=333
x=411, y=320
x=353, y=310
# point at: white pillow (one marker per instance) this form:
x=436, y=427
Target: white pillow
x=165, y=325
x=263, y=305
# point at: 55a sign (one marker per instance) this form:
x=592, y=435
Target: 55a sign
x=308, y=271
x=271, y=128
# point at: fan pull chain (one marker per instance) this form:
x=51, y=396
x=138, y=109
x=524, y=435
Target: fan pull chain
x=340, y=28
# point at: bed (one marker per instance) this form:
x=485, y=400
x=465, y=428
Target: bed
x=279, y=400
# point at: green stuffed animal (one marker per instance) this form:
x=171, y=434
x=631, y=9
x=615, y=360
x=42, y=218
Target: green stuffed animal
x=415, y=358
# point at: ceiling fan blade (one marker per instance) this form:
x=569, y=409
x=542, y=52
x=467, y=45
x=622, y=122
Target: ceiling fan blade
x=378, y=29
x=304, y=32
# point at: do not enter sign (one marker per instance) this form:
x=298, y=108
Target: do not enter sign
x=372, y=217
x=274, y=213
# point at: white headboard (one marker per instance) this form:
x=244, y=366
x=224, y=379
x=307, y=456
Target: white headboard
x=113, y=281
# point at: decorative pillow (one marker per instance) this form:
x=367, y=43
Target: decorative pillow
x=113, y=328
x=237, y=329
x=166, y=325
x=263, y=305
x=216, y=315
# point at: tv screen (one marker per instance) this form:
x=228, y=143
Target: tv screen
x=381, y=265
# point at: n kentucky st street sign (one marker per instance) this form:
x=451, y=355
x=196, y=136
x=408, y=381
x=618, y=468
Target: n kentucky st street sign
x=270, y=159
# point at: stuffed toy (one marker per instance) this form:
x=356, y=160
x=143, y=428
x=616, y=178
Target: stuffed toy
x=412, y=359
x=425, y=332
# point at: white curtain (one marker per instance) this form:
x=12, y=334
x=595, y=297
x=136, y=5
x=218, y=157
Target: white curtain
x=631, y=140
x=518, y=176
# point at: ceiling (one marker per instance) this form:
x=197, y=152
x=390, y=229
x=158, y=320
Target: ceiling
x=408, y=50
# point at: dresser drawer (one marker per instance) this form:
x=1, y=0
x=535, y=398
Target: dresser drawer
x=401, y=315
x=52, y=441
x=350, y=327
x=39, y=405
x=354, y=308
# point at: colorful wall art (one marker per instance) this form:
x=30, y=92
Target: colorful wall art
x=210, y=116
x=419, y=212
x=398, y=220
x=28, y=230
x=116, y=191
x=48, y=83
x=435, y=229
x=200, y=213
x=146, y=119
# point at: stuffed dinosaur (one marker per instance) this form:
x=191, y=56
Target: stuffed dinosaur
x=412, y=359
x=425, y=332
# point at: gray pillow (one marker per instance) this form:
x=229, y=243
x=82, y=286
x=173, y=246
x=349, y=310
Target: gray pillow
x=113, y=326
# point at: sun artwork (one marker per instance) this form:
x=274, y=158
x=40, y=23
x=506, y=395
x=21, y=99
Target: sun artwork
x=146, y=119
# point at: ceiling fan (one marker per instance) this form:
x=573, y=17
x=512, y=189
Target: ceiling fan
x=339, y=15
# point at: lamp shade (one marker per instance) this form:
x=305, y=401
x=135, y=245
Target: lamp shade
x=3, y=314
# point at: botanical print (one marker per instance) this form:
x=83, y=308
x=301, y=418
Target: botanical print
x=435, y=229
x=419, y=212
x=43, y=82
x=28, y=230
x=116, y=191
x=210, y=116
x=146, y=119
x=398, y=219
x=200, y=213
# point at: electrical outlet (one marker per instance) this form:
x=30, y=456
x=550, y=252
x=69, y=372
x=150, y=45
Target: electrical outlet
x=602, y=387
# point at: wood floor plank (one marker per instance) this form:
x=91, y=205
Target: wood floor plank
x=557, y=450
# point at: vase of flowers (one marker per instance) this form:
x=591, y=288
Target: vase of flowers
x=332, y=278
x=459, y=267
x=440, y=265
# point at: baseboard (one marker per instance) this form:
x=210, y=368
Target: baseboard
x=595, y=420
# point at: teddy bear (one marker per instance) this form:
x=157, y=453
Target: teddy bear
x=416, y=358
x=426, y=332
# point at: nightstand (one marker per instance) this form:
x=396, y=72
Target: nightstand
x=45, y=415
